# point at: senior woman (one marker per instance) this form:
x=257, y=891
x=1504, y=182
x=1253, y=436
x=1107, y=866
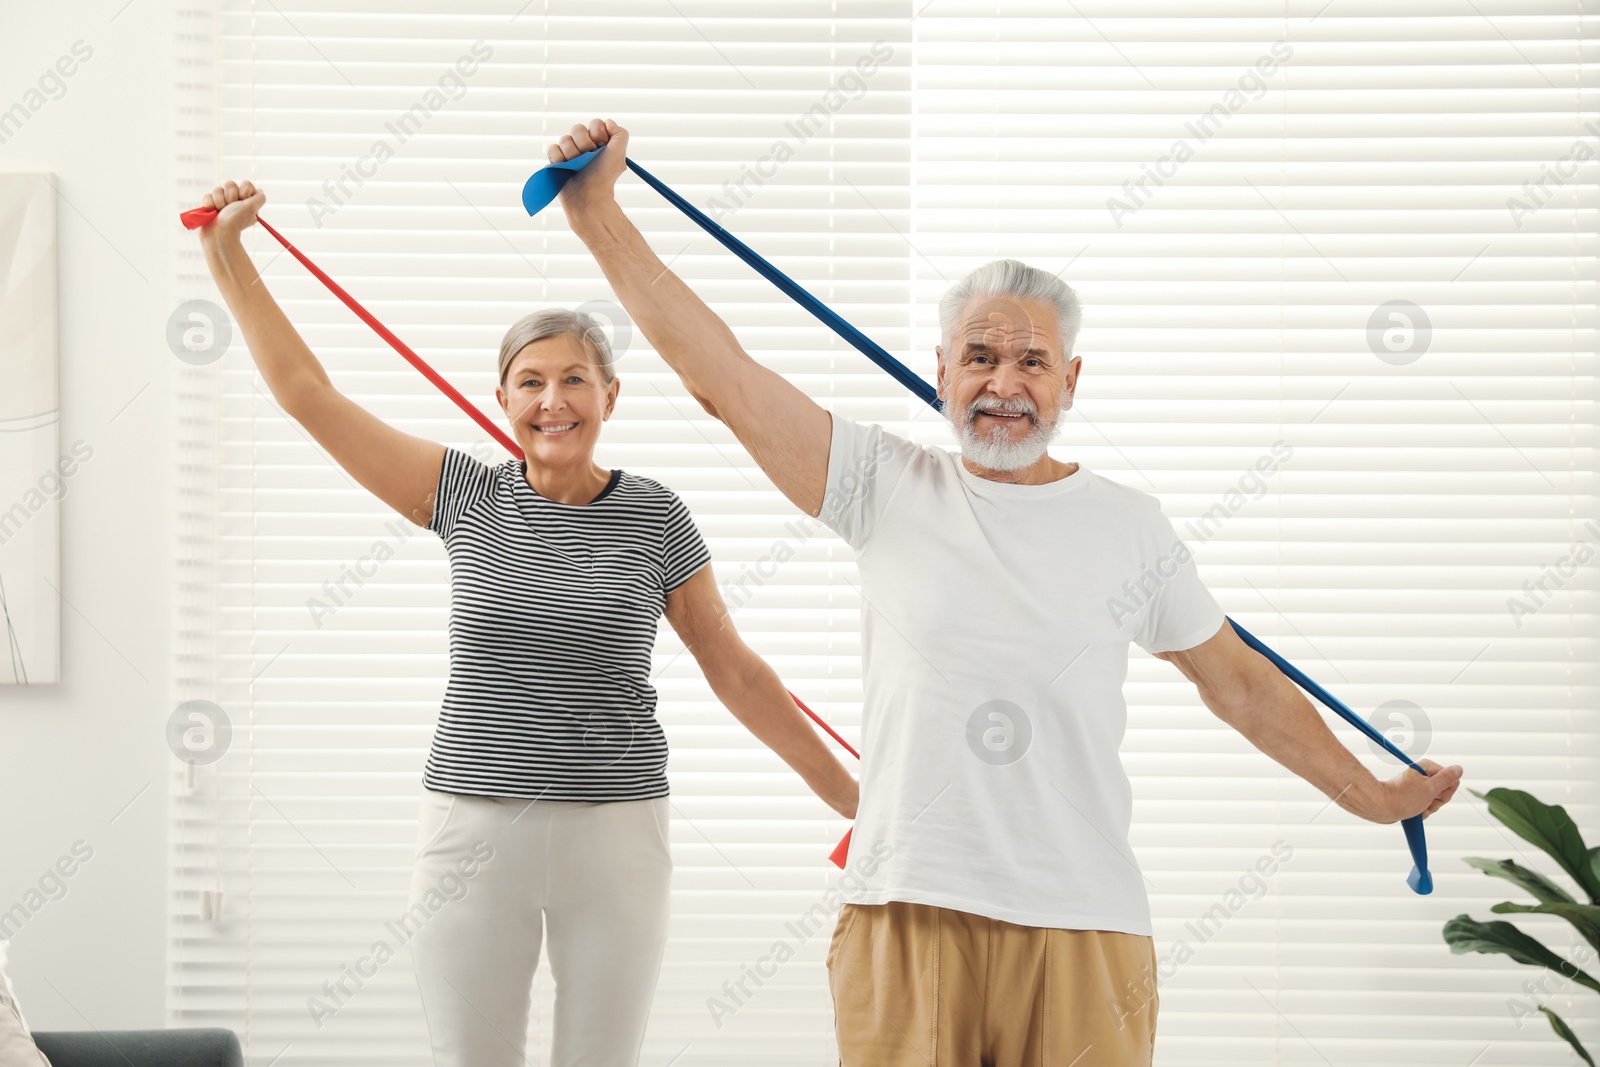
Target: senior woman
x=544, y=812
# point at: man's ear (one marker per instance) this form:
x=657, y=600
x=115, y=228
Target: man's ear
x=1069, y=382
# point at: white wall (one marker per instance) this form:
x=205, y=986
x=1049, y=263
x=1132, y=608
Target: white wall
x=74, y=755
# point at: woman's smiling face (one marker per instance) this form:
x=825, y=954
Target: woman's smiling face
x=556, y=400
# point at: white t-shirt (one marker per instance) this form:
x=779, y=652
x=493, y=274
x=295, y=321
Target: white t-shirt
x=995, y=627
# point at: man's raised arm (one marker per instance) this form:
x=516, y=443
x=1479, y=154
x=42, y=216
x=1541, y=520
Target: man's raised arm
x=784, y=430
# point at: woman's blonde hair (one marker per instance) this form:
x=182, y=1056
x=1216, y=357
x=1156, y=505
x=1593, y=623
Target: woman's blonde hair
x=558, y=322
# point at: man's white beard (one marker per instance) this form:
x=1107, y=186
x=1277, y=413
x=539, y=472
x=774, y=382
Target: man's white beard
x=993, y=451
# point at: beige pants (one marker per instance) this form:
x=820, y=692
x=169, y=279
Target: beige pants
x=920, y=986
x=496, y=878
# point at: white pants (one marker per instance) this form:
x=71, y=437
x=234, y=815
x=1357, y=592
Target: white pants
x=493, y=877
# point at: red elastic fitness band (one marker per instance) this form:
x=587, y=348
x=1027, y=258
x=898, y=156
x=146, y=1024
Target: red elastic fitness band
x=200, y=216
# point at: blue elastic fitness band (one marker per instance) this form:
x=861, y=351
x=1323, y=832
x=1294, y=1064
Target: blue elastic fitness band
x=542, y=188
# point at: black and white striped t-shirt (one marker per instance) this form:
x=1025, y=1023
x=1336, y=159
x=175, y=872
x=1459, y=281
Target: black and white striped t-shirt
x=553, y=616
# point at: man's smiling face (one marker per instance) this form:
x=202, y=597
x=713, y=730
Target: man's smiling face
x=1005, y=380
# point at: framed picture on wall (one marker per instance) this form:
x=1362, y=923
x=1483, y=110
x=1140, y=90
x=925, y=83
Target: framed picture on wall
x=32, y=468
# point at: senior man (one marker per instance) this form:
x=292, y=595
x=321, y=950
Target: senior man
x=1001, y=589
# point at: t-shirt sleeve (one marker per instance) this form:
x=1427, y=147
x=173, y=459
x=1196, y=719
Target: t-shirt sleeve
x=864, y=465
x=1182, y=612
x=684, y=551
x=463, y=481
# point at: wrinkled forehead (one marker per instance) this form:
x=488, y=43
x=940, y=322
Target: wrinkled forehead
x=1004, y=324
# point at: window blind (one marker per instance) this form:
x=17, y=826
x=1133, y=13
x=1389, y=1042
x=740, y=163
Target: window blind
x=315, y=619
x=1360, y=381
x=1330, y=325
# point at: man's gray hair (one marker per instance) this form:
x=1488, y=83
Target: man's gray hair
x=1010, y=278
x=556, y=322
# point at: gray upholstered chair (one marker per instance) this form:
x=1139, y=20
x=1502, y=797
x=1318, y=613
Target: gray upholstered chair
x=198, y=1047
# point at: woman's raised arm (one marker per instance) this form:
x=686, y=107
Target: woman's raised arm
x=398, y=468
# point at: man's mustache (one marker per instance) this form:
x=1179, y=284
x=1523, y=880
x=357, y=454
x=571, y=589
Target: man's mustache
x=1005, y=407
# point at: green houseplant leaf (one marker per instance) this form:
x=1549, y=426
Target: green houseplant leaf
x=1585, y=918
x=1550, y=828
x=1465, y=934
x=1560, y=1027
x=1541, y=887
